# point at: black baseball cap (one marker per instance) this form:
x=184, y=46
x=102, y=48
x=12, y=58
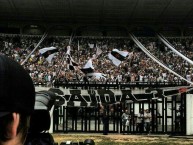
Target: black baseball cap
x=17, y=92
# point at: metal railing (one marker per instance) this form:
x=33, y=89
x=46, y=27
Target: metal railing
x=116, y=85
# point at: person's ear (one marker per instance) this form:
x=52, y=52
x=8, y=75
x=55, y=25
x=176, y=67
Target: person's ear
x=13, y=126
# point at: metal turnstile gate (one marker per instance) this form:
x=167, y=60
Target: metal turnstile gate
x=167, y=117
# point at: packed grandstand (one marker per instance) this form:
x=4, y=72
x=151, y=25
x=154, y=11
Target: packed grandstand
x=136, y=67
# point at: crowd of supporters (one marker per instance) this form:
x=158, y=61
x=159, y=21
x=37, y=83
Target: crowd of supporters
x=137, y=66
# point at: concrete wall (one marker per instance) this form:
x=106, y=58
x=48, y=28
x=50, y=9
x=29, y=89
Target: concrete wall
x=189, y=114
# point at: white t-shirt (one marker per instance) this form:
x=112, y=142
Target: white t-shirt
x=147, y=117
x=139, y=118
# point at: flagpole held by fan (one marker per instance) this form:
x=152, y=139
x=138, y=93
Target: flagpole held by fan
x=41, y=40
x=63, y=59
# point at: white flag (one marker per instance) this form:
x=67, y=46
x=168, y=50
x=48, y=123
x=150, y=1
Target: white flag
x=48, y=53
x=68, y=50
x=98, y=51
x=117, y=56
x=88, y=68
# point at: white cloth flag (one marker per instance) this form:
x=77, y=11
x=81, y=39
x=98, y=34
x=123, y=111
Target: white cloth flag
x=117, y=56
x=89, y=64
x=88, y=68
x=71, y=63
x=48, y=53
x=98, y=51
x=68, y=50
x=50, y=57
x=91, y=45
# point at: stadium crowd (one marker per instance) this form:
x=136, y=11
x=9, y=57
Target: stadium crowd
x=137, y=66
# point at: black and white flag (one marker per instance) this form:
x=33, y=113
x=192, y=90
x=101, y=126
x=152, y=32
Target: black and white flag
x=88, y=68
x=71, y=63
x=48, y=53
x=117, y=56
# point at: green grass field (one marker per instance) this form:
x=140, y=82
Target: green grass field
x=113, y=139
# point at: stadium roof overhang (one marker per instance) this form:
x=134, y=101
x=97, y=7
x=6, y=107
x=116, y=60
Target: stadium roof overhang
x=99, y=12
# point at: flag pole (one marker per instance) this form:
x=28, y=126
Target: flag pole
x=41, y=40
x=78, y=52
x=63, y=59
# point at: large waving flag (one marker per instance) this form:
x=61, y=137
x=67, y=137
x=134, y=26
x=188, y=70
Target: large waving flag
x=98, y=52
x=71, y=63
x=117, y=56
x=88, y=68
x=48, y=53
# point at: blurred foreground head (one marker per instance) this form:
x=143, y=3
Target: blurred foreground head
x=17, y=99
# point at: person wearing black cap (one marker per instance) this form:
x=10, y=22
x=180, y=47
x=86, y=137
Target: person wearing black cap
x=17, y=99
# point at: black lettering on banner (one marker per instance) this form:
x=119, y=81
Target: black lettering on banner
x=67, y=97
x=118, y=98
x=87, y=98
x=125, y=95
x=76, y=96
x=93, y=96
x=106, y=96
x=96, y=96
